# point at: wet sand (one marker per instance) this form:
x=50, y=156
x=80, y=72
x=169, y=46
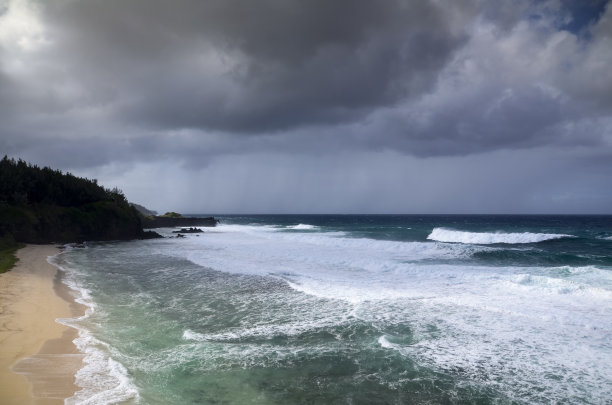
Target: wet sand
x=38, y=360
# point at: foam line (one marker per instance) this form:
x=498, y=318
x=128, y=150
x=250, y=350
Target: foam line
x=102, y=380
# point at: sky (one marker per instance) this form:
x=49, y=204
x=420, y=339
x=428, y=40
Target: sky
x=317, y=106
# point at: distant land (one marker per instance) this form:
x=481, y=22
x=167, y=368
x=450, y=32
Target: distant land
x=43, y=205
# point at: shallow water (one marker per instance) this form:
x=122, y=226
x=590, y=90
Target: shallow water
x=350, y=309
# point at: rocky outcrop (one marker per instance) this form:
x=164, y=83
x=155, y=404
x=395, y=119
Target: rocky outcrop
x=189, y=230
x=172, y=222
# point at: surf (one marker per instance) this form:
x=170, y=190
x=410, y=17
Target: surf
x=489, y=238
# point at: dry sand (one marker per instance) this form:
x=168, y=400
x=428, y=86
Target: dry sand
x=38, y=360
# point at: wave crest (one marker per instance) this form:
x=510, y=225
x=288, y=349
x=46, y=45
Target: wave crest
x=488, y=238
x=302, y=227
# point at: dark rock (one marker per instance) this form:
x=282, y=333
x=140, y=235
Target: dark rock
x=150, y=235
x=189, y=230
x=170, y=222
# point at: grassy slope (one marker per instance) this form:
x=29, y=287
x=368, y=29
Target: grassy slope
x=8, y=248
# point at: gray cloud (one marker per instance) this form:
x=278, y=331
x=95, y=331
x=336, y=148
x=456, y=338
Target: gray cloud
x=520, y=88
x=541, y=180
x=255, y=66
x=88, y=85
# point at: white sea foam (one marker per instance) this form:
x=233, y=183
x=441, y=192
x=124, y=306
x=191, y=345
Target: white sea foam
x=384, y=342
x=266, y=331
x=101, y=380
x=353, y=269
x=303, y=227
x=257, y=250
x=215, y=356
x=191, y=335
x=487, y=238
x=501, y=326
x=324, y=264
x=551, y=285
x=523, y=343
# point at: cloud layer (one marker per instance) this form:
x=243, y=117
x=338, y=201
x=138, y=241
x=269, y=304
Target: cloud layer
x=89, y=85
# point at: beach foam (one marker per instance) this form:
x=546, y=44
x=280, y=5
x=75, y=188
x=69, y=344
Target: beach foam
x=487, y=238
x=102, y=380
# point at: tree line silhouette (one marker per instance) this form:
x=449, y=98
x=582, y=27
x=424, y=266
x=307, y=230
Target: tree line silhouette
x=42, y=205
x=22, y=183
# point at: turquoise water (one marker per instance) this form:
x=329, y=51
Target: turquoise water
x=350, y=310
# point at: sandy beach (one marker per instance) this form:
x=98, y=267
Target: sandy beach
x=38, y=360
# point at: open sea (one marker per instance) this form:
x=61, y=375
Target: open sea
x=349, y=309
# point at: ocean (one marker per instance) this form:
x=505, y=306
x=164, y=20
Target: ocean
x=349, y=309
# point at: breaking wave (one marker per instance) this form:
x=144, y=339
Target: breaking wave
x=303, y=227
x=488, y=238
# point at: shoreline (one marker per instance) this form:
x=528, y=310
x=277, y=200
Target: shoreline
x=38, y=360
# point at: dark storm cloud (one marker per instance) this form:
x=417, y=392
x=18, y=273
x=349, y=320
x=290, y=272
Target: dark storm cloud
x=515, y=118
x=519, y=87
x=255, y=66
x=498, y=76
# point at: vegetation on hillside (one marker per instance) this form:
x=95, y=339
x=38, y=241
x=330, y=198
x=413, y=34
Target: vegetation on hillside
x=25, y=184
x=172, y=214
x=42, y=205
x=8, y=248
